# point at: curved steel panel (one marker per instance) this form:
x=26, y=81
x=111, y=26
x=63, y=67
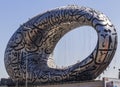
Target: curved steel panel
x=34, y=41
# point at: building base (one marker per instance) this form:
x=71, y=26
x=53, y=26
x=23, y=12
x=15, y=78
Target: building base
x=77, y=84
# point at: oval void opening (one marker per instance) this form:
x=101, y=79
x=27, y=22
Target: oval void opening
x=75, y=46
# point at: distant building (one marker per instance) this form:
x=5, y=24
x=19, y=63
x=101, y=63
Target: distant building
x=0, y=82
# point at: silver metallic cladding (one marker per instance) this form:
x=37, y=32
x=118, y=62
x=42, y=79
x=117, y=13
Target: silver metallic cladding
x=36, y=39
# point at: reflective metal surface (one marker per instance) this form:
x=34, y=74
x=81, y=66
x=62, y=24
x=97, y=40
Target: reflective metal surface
x=29, y=48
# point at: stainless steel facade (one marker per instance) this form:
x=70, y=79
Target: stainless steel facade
x=29, y=48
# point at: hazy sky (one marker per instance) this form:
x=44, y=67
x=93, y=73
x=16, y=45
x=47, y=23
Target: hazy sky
x=13, y=13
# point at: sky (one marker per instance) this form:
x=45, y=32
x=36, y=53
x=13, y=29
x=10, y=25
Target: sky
x=74, y=46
